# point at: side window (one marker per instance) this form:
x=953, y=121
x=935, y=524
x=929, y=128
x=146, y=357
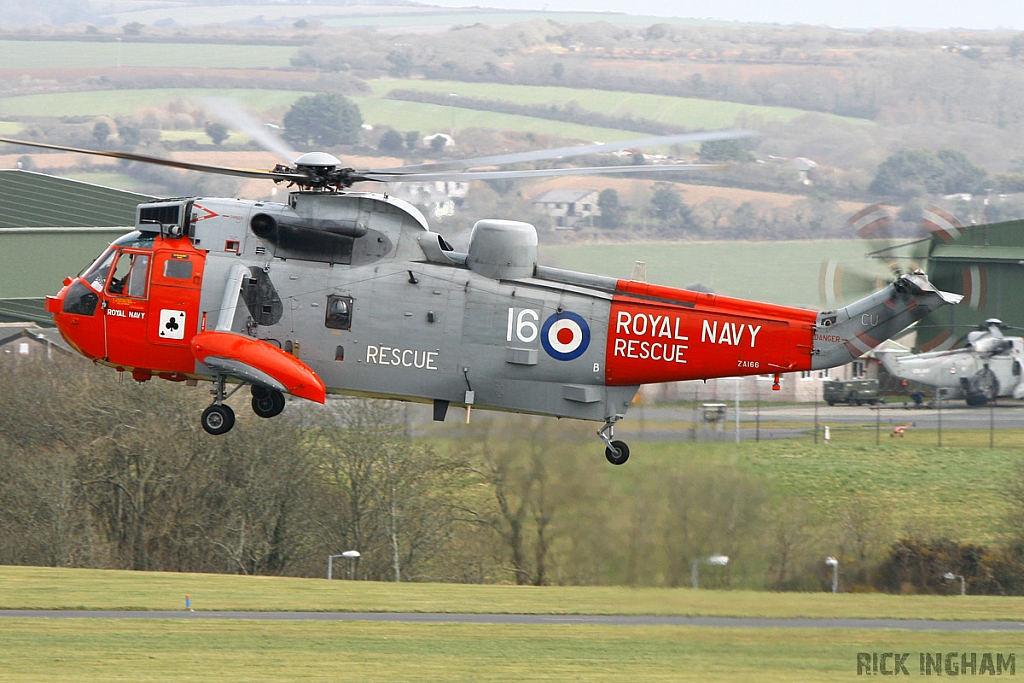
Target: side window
x=339, y=312
x=129, y=276
x=120, y=277
x=137, y=276
x=178, y=269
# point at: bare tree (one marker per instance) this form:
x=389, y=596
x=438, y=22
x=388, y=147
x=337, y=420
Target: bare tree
x=379, y=494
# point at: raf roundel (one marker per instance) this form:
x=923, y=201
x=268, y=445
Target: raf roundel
x=565, y=336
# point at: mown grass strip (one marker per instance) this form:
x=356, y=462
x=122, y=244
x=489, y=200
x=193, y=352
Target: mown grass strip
x=141, y=651
x=49, y=588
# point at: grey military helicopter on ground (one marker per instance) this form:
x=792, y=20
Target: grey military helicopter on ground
x=351, y=292
x=989, y=366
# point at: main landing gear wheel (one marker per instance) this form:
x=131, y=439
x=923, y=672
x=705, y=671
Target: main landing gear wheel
x=267, y=402
x=618, y=454
x=218, y=419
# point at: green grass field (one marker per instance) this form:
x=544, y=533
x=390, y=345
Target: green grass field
x=114, y=102
x=33, y=649
x=49, y=588
x=682, y=111
x=400, y=115
x=742, y=269
x=954, y=491
x=32, y=54
x=166, y=650
x=428, y=118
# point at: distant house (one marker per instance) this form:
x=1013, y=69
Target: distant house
x=804, y=166
x=449, y=141
x=29, y=341
x=568, y=207
x=439, y=198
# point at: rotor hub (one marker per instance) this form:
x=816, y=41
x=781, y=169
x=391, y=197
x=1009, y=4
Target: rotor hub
x=318, y=171
x=318, y=160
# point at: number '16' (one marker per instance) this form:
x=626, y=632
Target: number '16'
x=525, y=325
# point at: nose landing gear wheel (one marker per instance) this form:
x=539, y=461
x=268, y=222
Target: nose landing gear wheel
x=218, y=419
x=619, y=455
x=267, y=403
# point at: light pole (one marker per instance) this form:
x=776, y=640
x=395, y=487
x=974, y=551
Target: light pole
x=834, y=563
x=716, y=560
x=737, y=409
x=349, y=554
x=949, y=576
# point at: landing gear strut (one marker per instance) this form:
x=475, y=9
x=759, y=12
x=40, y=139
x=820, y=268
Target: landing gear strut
x=617, y=452
x=219, y=418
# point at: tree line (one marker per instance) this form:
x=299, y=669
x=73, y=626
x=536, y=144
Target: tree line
x=96, y=473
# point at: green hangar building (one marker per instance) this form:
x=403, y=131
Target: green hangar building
x=985, y=263
x=51, y=228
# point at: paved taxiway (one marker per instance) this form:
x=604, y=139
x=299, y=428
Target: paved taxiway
x=533, y=619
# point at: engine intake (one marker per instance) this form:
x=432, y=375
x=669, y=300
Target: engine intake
x=503, y=250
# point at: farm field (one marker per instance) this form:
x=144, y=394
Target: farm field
x=35, y=54
x=692, y=194
x=400, y=115
x=438, y=118
x=682, y=111
x=441, y=20
x=398, y=17
x=114, y=102
x=777, y=272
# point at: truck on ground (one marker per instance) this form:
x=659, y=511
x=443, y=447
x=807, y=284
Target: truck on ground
x=853, y=392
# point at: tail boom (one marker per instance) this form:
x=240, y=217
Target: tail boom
x=848, y=333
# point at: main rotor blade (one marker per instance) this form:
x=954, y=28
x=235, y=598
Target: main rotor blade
x=185, y=165
x=233, y=116
x=532, y=173
x=561, y=152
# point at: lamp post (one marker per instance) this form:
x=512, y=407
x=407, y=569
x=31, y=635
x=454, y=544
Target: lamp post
x=716, y=560
x=949, y=576
x=834, y=563
x=349, y=554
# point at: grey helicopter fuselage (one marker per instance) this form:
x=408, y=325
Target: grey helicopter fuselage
x=385, y=311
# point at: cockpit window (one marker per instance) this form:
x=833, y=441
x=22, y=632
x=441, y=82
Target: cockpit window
x=139, y=240
x=130, y=275
x=96, y=275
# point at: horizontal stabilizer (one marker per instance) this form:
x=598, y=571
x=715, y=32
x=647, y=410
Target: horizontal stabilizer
x=256, y=361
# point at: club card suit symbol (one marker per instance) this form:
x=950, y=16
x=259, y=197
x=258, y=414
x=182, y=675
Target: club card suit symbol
x=172, y=324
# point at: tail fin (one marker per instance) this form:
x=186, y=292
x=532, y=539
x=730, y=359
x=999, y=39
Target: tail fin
x=844, y=335
x=890, y=359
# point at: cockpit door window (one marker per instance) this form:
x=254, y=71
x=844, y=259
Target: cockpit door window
x=129, y=278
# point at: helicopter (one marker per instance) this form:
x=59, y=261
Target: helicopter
x=352, y=292
x=987, y=367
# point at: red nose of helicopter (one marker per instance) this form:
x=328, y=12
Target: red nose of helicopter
x=75, y=313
